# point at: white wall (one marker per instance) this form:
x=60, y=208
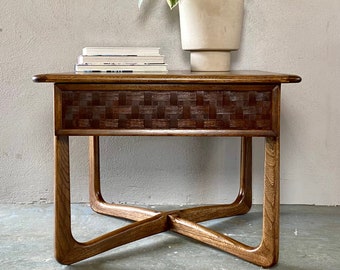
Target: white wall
x=41, y=36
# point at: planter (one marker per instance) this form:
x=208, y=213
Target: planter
x=210, y=30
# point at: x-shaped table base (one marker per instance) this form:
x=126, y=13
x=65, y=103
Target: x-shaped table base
x=185, y=222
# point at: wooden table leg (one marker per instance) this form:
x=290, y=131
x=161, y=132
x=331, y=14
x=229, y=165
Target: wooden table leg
x=269, y=247
x=67, y=249
x=266, y=254
x=98, y=204
x=243, y=201
x=181, y=221
x=246, y=172
x=240, y=206
x=63, y=235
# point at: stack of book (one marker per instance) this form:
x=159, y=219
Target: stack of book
x=121, y=59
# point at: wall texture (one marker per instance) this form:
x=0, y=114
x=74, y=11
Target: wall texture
x=40, y=36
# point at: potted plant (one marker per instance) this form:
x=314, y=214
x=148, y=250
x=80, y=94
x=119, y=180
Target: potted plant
x=210, y=30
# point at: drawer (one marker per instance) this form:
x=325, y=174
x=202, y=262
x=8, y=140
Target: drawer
x=223, y=110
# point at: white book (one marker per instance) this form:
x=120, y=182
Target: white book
x=120, y=60
x=121, y=68
x=137, y=51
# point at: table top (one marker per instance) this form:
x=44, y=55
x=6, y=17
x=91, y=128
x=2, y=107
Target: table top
x=237, y=77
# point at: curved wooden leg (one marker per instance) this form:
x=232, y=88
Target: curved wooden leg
x=67, y=249
x=243, y=201
x=269, y=247
x=266, y=254
x=98, y=204
x=62, y=201
x=245, y=193
x=148, y=222
x=241, y=205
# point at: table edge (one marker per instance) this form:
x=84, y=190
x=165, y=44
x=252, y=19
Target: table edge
x=173, y=77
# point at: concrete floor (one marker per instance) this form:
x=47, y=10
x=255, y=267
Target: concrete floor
x=310, y=239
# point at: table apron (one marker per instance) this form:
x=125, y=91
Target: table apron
x=167, y=110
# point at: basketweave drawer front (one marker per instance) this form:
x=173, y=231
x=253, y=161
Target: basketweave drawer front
x=158, y=110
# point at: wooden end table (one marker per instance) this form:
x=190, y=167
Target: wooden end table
x=179, y=103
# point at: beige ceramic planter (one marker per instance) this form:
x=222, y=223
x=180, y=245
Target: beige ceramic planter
x=210, y=29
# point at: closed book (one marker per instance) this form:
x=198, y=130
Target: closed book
x=120, y=60
x=121, y=68
x=140, y=51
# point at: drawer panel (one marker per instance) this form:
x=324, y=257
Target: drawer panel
x=166, y=110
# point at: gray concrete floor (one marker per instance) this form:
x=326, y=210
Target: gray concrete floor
x=310, y=239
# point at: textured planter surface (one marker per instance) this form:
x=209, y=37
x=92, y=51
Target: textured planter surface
x=212, y=26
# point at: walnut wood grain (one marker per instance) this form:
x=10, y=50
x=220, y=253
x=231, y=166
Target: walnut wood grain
x=67, y=249
x=266, y=254
x=166, y=109
x=240, y=206
x=244, y=87
x=181, y=77
x=98, y=204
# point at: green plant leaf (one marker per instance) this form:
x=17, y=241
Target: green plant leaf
x=172, y=3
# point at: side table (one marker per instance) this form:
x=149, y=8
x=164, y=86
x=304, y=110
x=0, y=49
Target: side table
x=179, y=103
